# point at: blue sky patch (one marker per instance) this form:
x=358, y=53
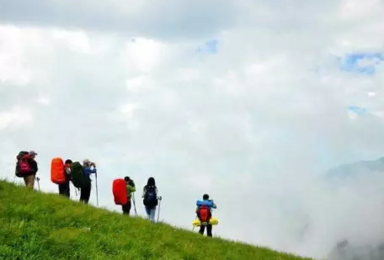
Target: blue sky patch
x=210, y=46
x=358, y=110
x=363, y=63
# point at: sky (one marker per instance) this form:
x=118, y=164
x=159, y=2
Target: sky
x=248, y=101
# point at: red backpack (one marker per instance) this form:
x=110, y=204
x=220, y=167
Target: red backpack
x=204, y=214
x=119, y=190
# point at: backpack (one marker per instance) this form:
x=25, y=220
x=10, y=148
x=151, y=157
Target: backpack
x=150, y=198
x=22, y=166
x=204, y=214
x=119, y=190
x=57, y=171
x=78, y=178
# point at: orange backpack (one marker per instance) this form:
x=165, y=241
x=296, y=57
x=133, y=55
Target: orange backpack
x=57, y=171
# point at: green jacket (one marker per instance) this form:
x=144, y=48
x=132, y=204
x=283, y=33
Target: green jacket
x=130, y=189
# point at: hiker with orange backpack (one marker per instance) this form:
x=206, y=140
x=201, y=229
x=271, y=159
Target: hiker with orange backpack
x=60, y=175
x=64, y=189
x=204, y=214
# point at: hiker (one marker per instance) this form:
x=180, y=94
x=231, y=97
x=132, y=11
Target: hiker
x=85, y=191
x=150, y=198
x=204, y=214
x=26, y=167
x=64, y=189
x=130, y=184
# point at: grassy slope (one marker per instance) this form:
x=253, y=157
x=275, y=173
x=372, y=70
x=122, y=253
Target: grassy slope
x=41, y=226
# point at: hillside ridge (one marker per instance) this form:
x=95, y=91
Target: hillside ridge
x=38, y=226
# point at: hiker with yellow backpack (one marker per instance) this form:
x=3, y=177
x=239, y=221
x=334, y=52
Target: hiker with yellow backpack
x=204, y=215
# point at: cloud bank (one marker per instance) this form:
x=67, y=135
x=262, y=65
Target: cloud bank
x=249, y=102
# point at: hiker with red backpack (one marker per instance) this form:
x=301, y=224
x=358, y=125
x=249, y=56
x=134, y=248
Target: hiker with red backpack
x=204, y=214
x=26, y=167
x=130, y=187
x=150, y=198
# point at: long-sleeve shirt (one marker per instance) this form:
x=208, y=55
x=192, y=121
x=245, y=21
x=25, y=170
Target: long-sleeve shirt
x=88, y=170
x=209, y=203
x=130, y=189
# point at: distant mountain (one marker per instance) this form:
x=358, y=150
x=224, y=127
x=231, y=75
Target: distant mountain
x=356, y=168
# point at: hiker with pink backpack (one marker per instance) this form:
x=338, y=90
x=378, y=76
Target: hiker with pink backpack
x=26, y=167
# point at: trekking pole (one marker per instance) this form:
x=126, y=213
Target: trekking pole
x=158, y=213
x=38, y=182
x=97, y=191
x=134, y=203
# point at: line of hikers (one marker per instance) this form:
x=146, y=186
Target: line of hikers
x=64, y=172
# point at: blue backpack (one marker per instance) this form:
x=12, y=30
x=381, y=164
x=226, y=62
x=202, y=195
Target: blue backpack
x=150, y=197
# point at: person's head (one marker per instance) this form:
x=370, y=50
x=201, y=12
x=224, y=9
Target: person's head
x=205, y=197
x=127, y=179
x=86, y=162
x=151, y=181
x=32, y=154
x=68, y=161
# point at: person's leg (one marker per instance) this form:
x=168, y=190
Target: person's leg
x=30, y=181
x=209, y=230
x=129, y=206
x=126, y=208
x=202, y=229
x=25, y=181
x=82, y=194
x=148, y=211
x=60, y=189
x=153, y=213
x=88, y=193
x=65, y=190
x=85, y=193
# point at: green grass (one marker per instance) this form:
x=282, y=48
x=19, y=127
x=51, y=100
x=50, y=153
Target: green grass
x=38, y=226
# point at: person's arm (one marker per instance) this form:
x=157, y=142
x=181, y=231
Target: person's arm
x=144, y=191
x=89, y=170
x=67, y=170
x=157, y=193
x=33, y=165
x=130, y=188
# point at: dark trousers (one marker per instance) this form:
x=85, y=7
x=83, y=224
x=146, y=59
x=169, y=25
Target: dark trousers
x=85, y=193
x=209, y=230
x=126, y=208
x=64, y=189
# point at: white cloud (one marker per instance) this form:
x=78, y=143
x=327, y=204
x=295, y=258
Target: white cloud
x=16, y=117
x=253, y=125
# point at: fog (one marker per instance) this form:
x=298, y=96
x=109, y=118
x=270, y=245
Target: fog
x=254, y=103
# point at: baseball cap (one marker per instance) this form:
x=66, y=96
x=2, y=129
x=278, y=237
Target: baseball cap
x=32, y=153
